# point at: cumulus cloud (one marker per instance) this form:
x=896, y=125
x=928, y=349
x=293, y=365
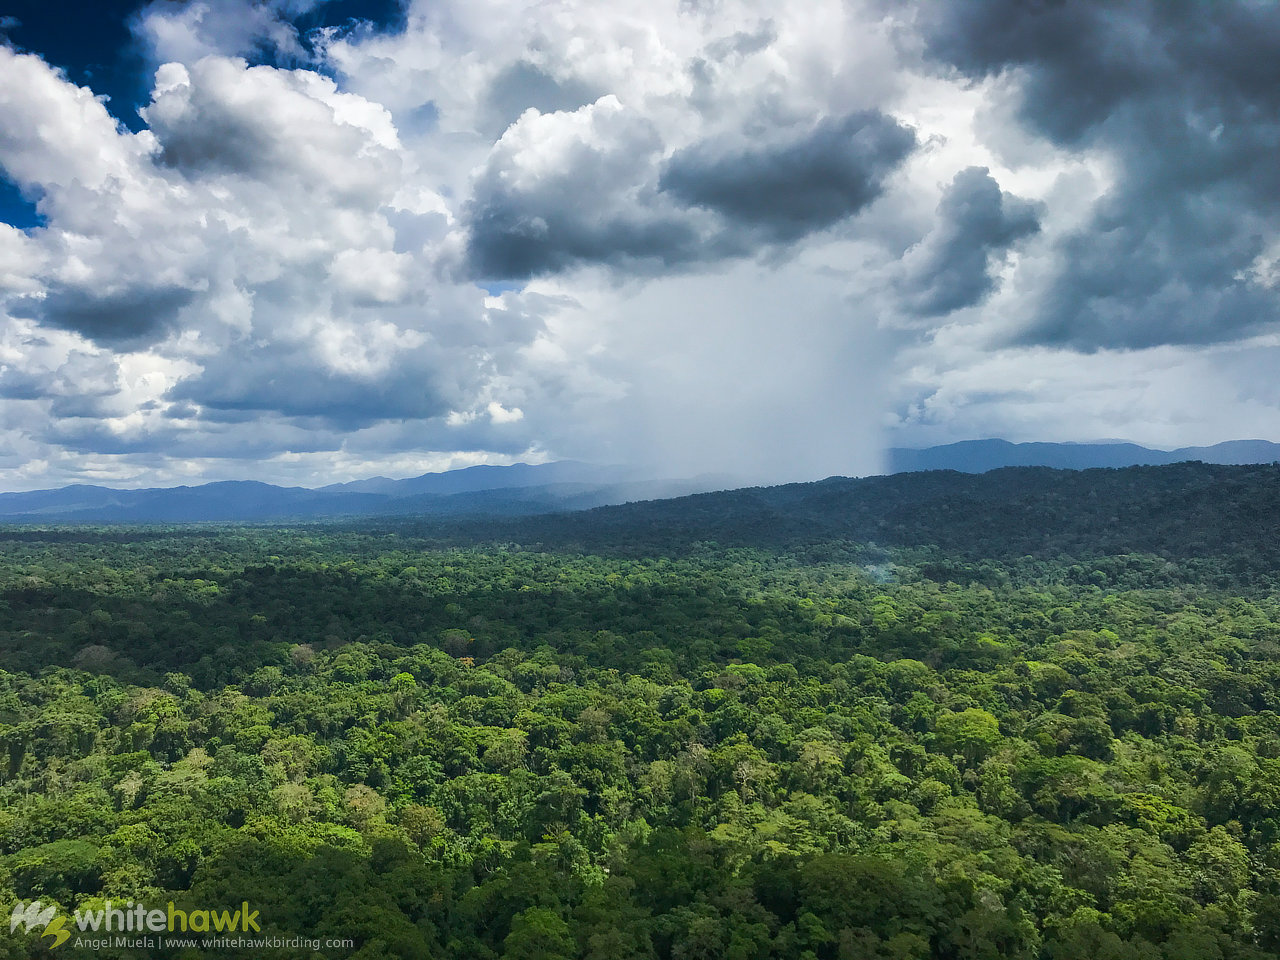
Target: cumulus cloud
x=221, y=116
x=116, y=314
x=1182, y=104
x=977, y=224
x=175, y=30
x=563, y=189
x=591, y=186
x=691, y=236
x=58, y=135
x=263, y=230
x=791, y=188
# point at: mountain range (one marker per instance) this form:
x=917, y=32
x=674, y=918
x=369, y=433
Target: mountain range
x=518, y=489
x=1018, y=514
x=526, y=489
x=979, y=456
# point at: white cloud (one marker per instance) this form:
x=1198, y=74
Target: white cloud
x=500, y=414
x=185, y=32
x=1169, y=396
x=273, y=277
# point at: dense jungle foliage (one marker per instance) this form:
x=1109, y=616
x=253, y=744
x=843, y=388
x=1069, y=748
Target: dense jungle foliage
x=479, y=741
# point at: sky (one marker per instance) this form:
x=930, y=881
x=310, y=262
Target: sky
x=306, y=242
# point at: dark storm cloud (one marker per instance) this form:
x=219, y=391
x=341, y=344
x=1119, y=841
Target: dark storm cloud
x=1185, y=98
x=236, y=388
x=788, y=190
x=977, y=223
x=514, y=236
x=708, y=202
x=125, y=318
x=593, y=205
x=1149, y=275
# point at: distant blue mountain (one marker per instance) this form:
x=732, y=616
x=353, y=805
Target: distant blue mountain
x=521, y=488
x=979, y=456
x=524, y=489
x=224, y=500
x=484, y=477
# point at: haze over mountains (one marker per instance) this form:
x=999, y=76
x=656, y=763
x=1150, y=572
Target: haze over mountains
x=503, y=490
x=526, y=489
x=979, y=456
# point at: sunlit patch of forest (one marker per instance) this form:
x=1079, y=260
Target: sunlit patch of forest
x=614, y=742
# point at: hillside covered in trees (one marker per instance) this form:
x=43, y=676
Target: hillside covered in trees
x=1028, y=714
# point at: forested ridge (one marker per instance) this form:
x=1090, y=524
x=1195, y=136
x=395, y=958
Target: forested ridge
x=1028, y=714
x=1185, y=510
